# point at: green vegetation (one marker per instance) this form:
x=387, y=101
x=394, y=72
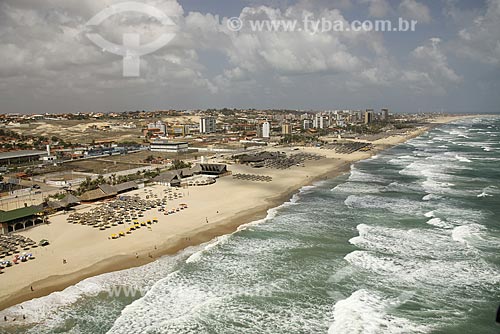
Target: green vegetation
x=299, y=138
x=57, y=196
x=179, y=164
x=149, y=158
x=90, y=184
x=128, y=143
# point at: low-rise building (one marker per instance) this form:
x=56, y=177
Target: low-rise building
x=20, y=219
x=170, y=179
x=180, y=130
x=169, y=146
x=105, y=191
x=19, y=157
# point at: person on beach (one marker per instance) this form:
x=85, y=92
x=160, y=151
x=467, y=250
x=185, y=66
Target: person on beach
x=31, y=287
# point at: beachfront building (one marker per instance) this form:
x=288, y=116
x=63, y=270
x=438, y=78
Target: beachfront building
x=161, y=145
x=174, y=178
x=169, y=179
x=65, y=203
x=21, y=219
x=95, y=195
x=125, y=186
x=207, y=125
x=211, y=169
x=105, y=191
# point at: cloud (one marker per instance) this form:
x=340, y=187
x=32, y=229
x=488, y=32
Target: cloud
x=298, y=53
x=480, y=40
x=48, y=41
x=415, y=10
x=429, y=70
x=378, y=8
x=45, y=52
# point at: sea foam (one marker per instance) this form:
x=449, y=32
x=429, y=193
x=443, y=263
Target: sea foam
x=366, y=312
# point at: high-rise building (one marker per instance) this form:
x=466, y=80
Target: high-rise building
x=307, y=124
x=286, y=129
x=320, y=121
x=385, y=114
x=369, y=116
x=259, y=131
x=266, y=129
x=207, y=124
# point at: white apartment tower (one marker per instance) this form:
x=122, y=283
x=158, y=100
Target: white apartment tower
x=307, y=124
x=320, y=121
x=207, y=125
x=266, y=129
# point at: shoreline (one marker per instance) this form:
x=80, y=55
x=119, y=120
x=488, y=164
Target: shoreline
x=200, y=234
x=56, y=283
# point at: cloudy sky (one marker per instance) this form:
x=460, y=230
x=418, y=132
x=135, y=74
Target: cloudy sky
x=451, y=61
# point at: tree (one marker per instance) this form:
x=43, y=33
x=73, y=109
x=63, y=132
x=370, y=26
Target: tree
x=179, y=164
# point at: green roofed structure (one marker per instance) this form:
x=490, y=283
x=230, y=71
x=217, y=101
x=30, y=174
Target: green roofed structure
x=20, y=219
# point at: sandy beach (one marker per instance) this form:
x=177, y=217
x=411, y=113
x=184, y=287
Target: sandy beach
x=212, y=211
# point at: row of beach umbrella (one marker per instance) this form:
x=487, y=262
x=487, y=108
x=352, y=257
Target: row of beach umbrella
x=253, y=177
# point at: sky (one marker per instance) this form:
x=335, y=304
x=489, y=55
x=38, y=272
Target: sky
x=449, y=63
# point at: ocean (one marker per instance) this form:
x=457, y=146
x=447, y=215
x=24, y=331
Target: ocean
x=407, y=242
